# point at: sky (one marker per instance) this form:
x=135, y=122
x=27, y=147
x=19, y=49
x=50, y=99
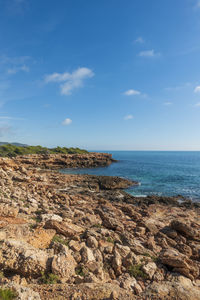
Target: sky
x=100, y=74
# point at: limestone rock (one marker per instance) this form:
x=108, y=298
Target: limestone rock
x=66, y=229
x=179, y=288
x=184, y=229
x=64, y=265
x=150, y=269
x=87, y=255
x=23, y=293
x=53, y=217
x=22, y=258
x=180, y=262
x=41, y=238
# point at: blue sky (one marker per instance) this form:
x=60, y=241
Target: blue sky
x=109, y=74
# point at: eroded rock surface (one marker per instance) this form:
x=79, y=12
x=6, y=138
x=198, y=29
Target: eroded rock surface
x=83, y=237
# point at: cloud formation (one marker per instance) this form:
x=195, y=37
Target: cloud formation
x=139, y=40
x=128, y=117
x=132, y=92
x=10, y=118
x=67, y=121
x=197, y=89
x=70, y=81
x=167, y=103
x=13, y=65
x=149, y=53
x=197, y=104
x=15, y=70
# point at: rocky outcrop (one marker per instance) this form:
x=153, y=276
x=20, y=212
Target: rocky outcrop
x=58, y=161
x=83, y=237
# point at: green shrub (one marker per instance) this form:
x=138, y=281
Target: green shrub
x=97, y=225
x=49, y=278
x=137, y=272
x=81, y=271
x=10, y=150
x=110, y=240
x=60, y=240
x=7, y=294
x=154, y=258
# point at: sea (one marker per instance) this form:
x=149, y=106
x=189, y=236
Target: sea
x=167, y=173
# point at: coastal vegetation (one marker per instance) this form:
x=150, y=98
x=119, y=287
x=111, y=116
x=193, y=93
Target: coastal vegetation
x=11, y=150
x=7, y=294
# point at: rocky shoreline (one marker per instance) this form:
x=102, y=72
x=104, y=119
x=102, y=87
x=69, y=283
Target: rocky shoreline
x=83, y=237
x=58, y=161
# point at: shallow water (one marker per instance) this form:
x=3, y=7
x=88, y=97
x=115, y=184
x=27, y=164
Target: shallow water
x=159, y=172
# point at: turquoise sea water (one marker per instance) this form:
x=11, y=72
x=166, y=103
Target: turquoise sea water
x=159, y=172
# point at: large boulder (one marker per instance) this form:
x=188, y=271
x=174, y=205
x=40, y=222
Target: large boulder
x=179, y=262
x=64, y=265
x=179, y=287
x=22, y=292
x=23, y=259
x=69, y=230
x=184, y=229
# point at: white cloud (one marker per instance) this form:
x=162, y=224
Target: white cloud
x=14, y=70
x=197, y=89
x=167, y=103
x=70, y=81
x=197, y=104
x=18, y=60
x=10, y=118
x=132, y=92
x=128, y=117
x=66, y=122
x=178, y=87
x=13, y=65
x=149, y=53
x=139, y=40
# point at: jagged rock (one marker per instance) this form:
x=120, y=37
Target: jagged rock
x=122, y=250
x=185, y=249
x=184, y=229
x=21, y=258
x=41, y=238
x=23, y=293
x=179, y=288
x=92, y=242
x=179, y=262
x=52, y=217
x=66, y=229
x=108, y=220
x=87, y=255
x=111, y=183
x=64, y=265
x=75, y=245
x=129, y=283
x=150, y=269
x=8, y=211
x=117, y=263
x=105, y=246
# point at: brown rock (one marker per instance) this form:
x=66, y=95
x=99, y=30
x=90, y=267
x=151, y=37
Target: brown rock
x=184, y=229
x=41, y=238
x=64, y=265
x=69, y=230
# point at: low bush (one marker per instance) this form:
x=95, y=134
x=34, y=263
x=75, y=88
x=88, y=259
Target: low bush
x=7, y=294
x=49, y=278
x=10, y=150
x=137, y=272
